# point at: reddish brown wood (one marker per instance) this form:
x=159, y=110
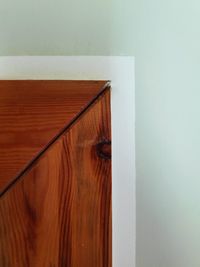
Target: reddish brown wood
x=32, y=113
x=59, y=213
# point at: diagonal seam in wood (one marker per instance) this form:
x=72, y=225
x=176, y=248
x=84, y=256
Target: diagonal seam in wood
x=28, y=167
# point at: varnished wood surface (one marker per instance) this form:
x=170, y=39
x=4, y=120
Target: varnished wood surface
x=32, y=113
x=59, y=213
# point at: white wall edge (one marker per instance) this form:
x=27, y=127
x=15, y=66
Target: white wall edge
x=120, y=70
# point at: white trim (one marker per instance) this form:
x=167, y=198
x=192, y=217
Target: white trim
x=120, y=70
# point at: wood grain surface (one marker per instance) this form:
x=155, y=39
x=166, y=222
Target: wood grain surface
x=58, y=214
x=32, y=113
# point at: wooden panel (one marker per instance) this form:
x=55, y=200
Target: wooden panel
x=32, y=113
x=59, y=213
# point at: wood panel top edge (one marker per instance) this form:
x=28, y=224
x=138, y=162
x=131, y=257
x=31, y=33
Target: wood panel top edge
x=55, y=80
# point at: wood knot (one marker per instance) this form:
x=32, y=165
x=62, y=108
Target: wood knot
x=103, y=149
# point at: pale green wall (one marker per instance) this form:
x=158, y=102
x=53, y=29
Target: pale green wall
x=168, y=133
x=64, y=27
x=165, y=38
